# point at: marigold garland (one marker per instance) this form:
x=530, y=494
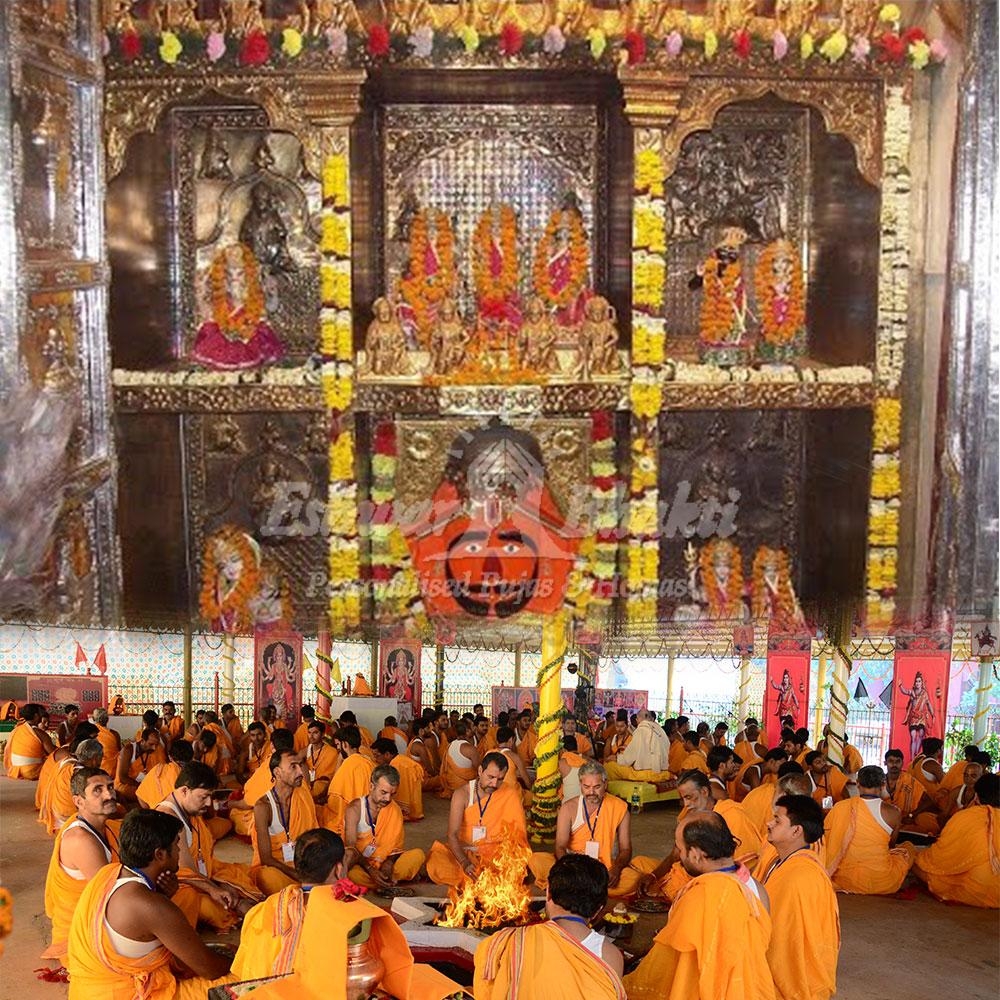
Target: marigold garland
x=490, y=288
x=774, y=330
x=710, y=584
x=718, y=293
x=235, y=605
x=236, y=319
x=579, y=258
x=422, y=291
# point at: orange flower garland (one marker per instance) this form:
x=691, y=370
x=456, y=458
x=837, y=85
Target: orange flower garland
x=579, y=258
x=760, y=603
x=236, y=603
x=773, y=330
x=231, y=319
x=734, y=586
x=419, y=289
x=489, y=287
x=717, y=316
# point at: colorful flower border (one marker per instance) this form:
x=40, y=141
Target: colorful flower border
x=337, y=379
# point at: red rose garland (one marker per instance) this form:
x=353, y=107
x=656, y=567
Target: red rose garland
x=511, y=39
x=385, y=439
x=255, y=49
x=635, y=45
x=893, y=47
x=378, y=40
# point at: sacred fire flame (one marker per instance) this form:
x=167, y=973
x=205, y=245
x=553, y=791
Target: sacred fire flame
x=497, y=895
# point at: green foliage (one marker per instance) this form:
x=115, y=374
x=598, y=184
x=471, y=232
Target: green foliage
x=958, y=737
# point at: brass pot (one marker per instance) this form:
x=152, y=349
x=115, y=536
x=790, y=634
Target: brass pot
x=364, y=971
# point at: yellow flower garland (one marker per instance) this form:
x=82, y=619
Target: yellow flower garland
x=886, y=424
x=649, y=172
x=422, y=291
x=245, y=322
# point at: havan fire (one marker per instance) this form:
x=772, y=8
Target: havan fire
x=497, y=897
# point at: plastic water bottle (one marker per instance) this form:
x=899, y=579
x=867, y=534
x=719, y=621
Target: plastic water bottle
x=636, y=801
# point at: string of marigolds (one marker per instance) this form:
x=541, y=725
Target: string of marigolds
x=649, y=269
x=337, y=350
x=893, y=307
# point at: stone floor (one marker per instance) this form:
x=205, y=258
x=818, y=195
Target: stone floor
x=892, y=949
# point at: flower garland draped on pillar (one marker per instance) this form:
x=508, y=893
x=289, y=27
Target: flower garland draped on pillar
x=545, y=791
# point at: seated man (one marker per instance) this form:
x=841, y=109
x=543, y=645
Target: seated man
x=391, y=731
x=270, y=934
x=108, y=739
x=482, y=814
x=646, y=758
x=160, y=780
x=213, y=891
x=57, y=801
x=259, y=783
x=619, y=737
x=964, y=865
x=749, y=743
x=421, y=749
x=860, y=834
x=480, y=734
x=67, y=728
x=670, y=876
x=84, y=731
x=28, y=744
x=695, y=756
x=226, y=754
x=718, y=931
x=525, y=738
x=348, y=720
x=749, y=777
x=829, y=783
x=965, y=794
x=561, y=959
x=517, y=774
x=796, y=744
x=584, y=746
x=853, y=761
x=127, y=937
x=373, y=827
x=171, y=724
x=135, y=760
x=83, y=846
x=279, y=817
x=256, y=752
x=596, y=824
x=301, y=737
x=790, y=783
x=320, y=761
x=927, y=769
x=919, y=813
x=678, y=747
x=410, y=797
x=722, y=768
x=351, y=780
x=460, y=762
x=805, y=917
x=234, y=727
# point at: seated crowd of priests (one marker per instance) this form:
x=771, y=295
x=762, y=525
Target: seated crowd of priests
x=768, y=833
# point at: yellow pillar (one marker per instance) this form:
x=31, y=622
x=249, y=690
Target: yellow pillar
x=979, y=728
x=545, y=791
x=671, y=657
x=838, y=707
x=821, y=675
x=744, y=700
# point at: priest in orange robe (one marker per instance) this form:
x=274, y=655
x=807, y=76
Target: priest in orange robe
x=918, y=811
x=964, y=865
x=805, y=917
x=160, y=780
x=526, y=739
x=555, y=960
x=28, y=744
x=135, y=894
x=58, y=805
x=260, y=782
x=460, y=763
x=279, y=817
x=373, y=826
x=715, y=941
x=411, y=793
x=595, y=824
x=321, y=762
x=308, y=713
x=482, y=815
x=85, y=844
x=860, y=834
x=350, y=781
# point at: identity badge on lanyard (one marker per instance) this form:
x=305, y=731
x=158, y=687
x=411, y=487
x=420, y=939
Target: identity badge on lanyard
x=593, y=847
x=288, y=847
x=479, y=832
x=370, y=849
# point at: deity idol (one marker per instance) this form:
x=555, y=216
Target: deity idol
x=385, y=341
x=562, y=259
x=495, y=268
x=598, y=335
x=494, y=543
x=536, y=341
x=236, y=334
x=780, y=299
x=449, y=340
x=721, y=572
x=724, y=312
x=772, y=595
x=430, y=274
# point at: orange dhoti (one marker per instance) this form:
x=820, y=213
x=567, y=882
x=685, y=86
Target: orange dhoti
x=454, y=777
x=411, y=779
x=25, y=754
x=301, y=817
x=964, y=865
x=858, y=855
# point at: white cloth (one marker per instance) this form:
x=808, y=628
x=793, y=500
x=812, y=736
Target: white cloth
x=649, y=749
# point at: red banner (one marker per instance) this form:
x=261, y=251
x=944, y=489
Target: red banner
x=786, y=691
x=919, y=698
x=56, y=691
x=277, y=672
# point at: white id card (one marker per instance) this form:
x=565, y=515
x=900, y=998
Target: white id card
x=592, y=849
x=312, y=775
x=140, y=776
x=369, y=850
x=288, y=852
x=478, y=834
x=827, y=802
x=202, y=867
